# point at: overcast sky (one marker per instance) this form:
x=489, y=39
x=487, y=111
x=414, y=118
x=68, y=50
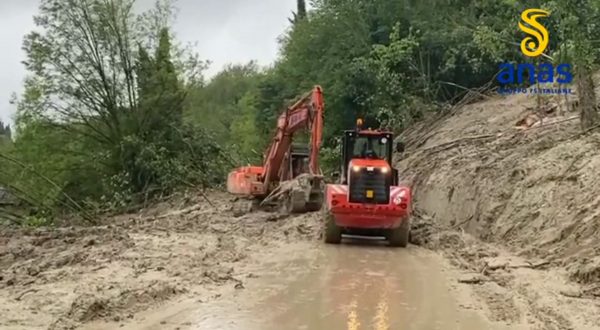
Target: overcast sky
x=227, y=31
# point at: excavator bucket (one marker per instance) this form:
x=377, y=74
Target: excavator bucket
x=305, y=193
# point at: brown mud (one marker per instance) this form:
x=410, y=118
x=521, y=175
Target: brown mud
x=516, y=207
x=62, y=278
x=505, y=236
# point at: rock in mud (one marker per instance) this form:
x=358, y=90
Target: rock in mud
x=586, y=270
x=496, y=263
x=472, y=278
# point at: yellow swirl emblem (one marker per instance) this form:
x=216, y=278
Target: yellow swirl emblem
x=536, y=31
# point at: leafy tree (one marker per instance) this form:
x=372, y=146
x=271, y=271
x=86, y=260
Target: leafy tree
x=578, y=27
x=103, y=106
x=5, y=134
x=115, y=108
x=227, y=107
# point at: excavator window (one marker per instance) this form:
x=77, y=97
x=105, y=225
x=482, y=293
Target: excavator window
x=300, y=165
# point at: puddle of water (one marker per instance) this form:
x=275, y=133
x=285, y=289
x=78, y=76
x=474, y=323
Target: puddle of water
x=357, y=287
x=349, y=287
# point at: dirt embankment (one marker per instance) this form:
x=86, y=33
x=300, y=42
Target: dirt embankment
x=530, y=194
x=69, y=276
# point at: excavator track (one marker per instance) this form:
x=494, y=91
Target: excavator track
x=242, y=206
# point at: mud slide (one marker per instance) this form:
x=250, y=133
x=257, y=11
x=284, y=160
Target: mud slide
x=199, y=267
x=506, y=221
x=511, y=189
x=361, y=285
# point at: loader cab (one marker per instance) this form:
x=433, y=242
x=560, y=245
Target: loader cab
x=367, y=145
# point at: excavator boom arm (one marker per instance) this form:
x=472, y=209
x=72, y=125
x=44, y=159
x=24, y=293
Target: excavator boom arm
x=305, y=113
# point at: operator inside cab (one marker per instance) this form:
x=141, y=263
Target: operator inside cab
x=366, y=151
x=368, y=144
x=371, y=147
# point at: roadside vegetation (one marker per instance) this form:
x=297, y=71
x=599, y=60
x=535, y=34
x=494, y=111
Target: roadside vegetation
x=117, y=112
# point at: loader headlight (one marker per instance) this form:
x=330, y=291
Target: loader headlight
x=385, y=170
x=356, y=168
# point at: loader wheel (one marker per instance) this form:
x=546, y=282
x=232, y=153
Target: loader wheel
x=398, y=237
x=333, y=233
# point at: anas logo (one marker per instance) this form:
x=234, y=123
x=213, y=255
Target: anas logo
x=529, y=47
x=534, y=45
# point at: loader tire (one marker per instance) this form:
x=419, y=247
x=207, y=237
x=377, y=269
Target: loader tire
x=399, y=237
x=333, y=233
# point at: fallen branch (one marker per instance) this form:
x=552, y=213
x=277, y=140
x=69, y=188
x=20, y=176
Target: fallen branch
x=207, y=199
x=448, y=145
x=189, y=184
x=530, y=265
x=585, y=131
x=552, y=123
x=180, y=212
x=469, y=90
x=275, y=194
x=18, y=298
x=451, y=144
x=70, y=203
x=460, y=224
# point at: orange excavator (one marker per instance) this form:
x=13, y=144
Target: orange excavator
x=290, y=173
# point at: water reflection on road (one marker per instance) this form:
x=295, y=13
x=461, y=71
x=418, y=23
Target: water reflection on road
x=358, y=286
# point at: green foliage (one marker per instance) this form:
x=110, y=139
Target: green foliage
x=100, y=122
x=391, y=60
x=394, y=61
x=115, y=110
x=227, y=108
x=36, y=221
x=5, y=132
x=5, y=135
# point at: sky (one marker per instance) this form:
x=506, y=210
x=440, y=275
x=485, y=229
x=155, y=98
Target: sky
x=225, y=31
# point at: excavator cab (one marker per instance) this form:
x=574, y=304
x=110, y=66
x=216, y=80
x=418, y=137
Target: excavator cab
x=299, y=160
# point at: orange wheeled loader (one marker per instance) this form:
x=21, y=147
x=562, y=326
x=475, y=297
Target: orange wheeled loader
x=368, y=198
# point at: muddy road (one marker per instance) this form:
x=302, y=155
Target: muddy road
x=357, y=285
x=197, y=266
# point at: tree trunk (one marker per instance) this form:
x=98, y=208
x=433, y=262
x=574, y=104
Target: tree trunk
x=587, y=98
x=301, y=14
